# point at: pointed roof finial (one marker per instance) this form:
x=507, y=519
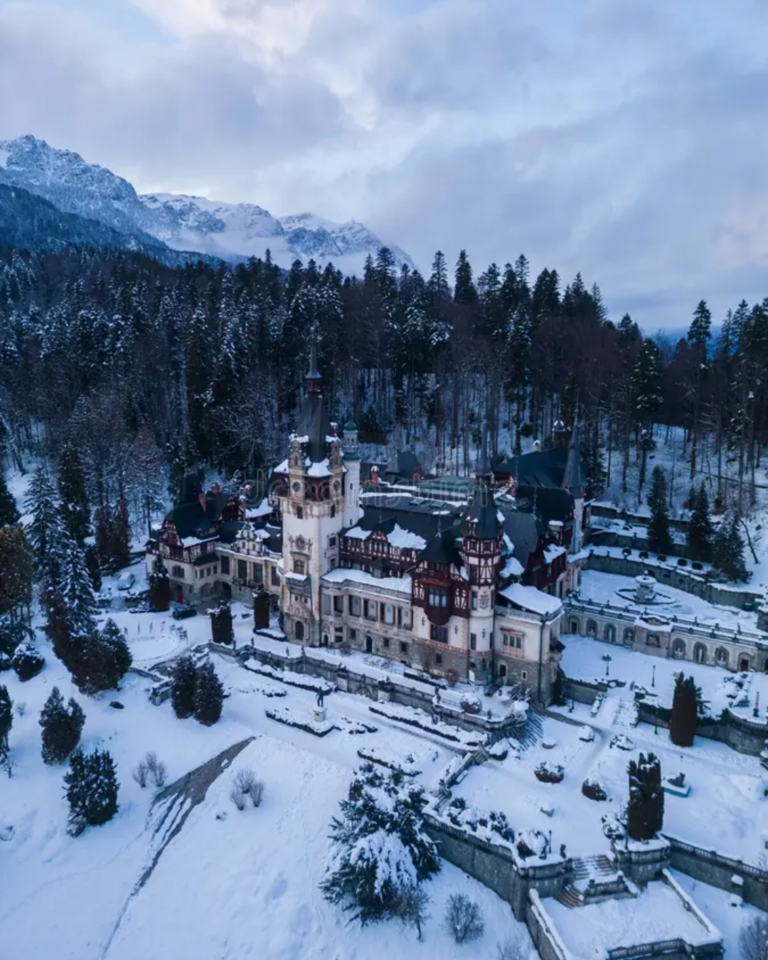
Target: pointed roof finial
x=313, y=378
x=483, y=469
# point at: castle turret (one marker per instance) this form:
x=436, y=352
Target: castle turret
x=482, y=555
x=352, y=476
x=312, y=507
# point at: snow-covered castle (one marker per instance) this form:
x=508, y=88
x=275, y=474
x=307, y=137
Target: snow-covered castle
x=470, y=589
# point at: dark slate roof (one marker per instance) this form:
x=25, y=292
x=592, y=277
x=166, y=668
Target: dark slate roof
x=574, y=475
x=442, y=548
x=482, y=512
x=404, y=464
x=425, y=520
x=524, y=530
x=191, y=520
x=549, y=503
x=315, y=425
x=229, y=530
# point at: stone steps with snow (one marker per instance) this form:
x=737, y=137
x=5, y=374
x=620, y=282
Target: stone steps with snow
x=626, y=714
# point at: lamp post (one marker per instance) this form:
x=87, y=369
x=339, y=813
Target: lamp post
x=607, y=659
x=653, y=676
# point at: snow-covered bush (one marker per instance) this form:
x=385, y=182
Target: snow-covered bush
x=141, y=774
x=5, y=662
x=155, y=769
x=594, y=790
x=91, y=790
x=530, y=843
x=379, y=848
x=549, y=772
x=613, y=826
x=27, y=661
x=463, y=918
x=469, y=703
x=245, y=786
x=62, y=726
x=622, y=742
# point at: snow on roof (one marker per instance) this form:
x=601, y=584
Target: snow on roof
x=508, y=543
x=281, y=467
x=512, y=568
x=340, y=575
x=529, y=598
x=194, y=541
x=261, y=511
x=358, y=533
x=552, y=552
x=321, y=469
x=298, y=577
x=405, y=539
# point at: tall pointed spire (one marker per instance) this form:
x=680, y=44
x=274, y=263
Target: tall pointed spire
x=313, y=379
x=483, y=469
x=573, y=477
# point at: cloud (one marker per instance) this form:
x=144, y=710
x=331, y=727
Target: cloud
x=205, y=110
x=610, y=138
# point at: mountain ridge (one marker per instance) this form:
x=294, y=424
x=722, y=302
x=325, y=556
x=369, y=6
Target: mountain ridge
x=184, y=223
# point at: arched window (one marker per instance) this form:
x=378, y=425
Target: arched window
x=333, y=511
x=700, y=653
x=574, y=626
x=678, y=648
x=721, y=657
x=298, y=566
x=502, y=670
x=591, y=628
x=298, y=630
x=609, y=633
x=629, y=637
x=325, y=639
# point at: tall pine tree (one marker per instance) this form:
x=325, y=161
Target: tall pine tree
x=8, y=512
x=645, y=808
x=75, y=509
x=91, y=789
x=699, y=537
x=685, y=711
x=209, y=696
x=659, y=538
x=62, y=726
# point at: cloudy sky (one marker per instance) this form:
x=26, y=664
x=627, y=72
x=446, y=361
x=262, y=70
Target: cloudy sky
x=627, y=139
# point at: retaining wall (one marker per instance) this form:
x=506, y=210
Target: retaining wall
x=718, y=870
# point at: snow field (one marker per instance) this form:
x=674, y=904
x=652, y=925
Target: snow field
x=240, y=886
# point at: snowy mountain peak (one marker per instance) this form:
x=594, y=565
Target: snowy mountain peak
x=232, y=231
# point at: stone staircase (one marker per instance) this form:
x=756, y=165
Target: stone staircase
x=600, y=870
x=626, y=714
x=530, y=733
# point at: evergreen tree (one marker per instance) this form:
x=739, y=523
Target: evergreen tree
x=75, y=509
x=159, y=586
x=94, y=567
x=379, y=846
x=77, y=592
x=464, y=290
x=101, y=660
x=91, y=789
x=183, y=686
x=645, y=809
x=120, y=539
x=261, y=609
x=659, y=539
x=6, y=721
x=685, y=711
x=699, y=537
x=45, y=531
x=62, y=727
x=27, y=661
x=728, y=549
x=221, y=624
x=209, y=696
x=16, y=572
x=118, y=654
x=8, y=511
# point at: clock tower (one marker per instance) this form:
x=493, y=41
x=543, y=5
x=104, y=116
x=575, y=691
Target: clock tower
x=312, y=506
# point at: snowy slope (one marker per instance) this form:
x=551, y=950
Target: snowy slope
x=232, y=231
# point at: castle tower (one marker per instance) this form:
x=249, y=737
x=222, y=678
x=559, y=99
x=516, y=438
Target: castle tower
x=482, y=555
x=312, y=507
x=352, y=476
x=575, y=483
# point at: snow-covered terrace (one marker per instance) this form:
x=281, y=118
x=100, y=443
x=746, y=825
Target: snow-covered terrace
x=661, y=913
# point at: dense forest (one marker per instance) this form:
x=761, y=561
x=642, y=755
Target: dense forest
x=142, y=366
